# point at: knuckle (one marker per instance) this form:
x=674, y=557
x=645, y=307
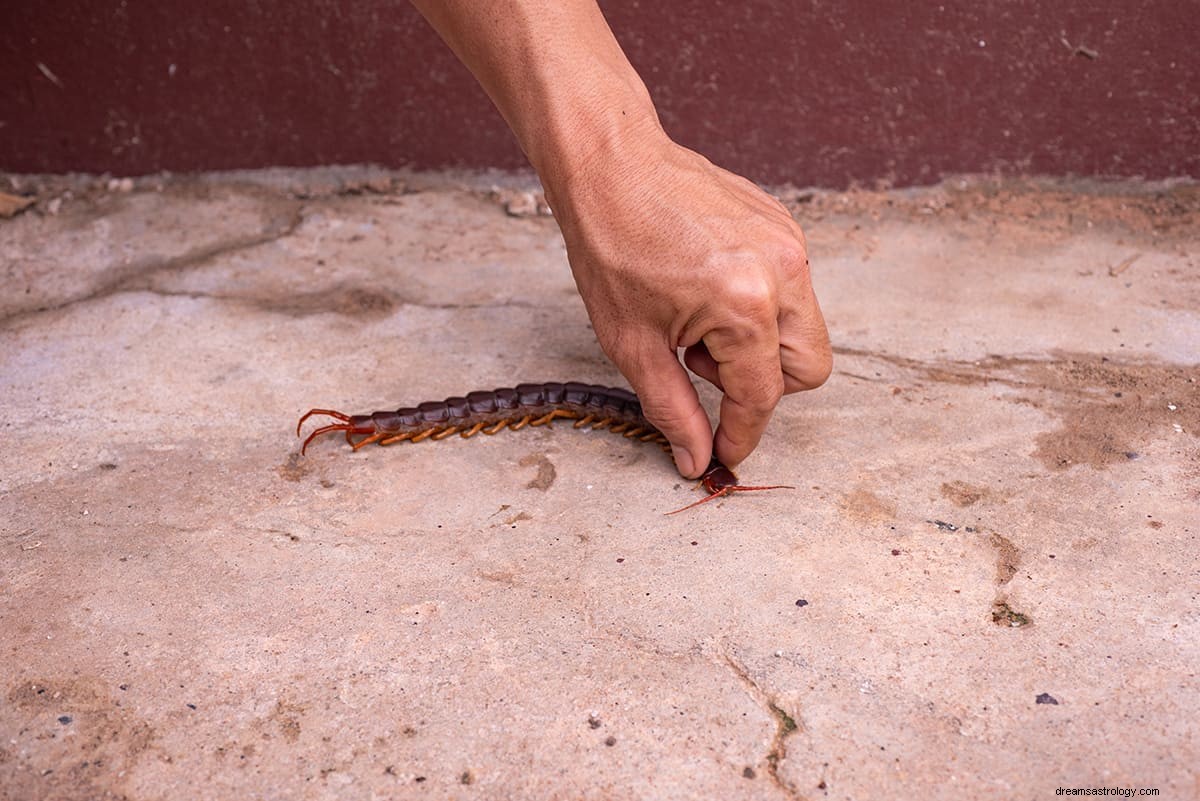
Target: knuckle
x=793, y=260
x=752, y=296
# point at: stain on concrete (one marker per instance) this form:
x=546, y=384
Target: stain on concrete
x=517, y=518
x=295, y=468
x=1005, y=615
x=506, y=577
x=960, y=493
x=865, y=506
x=1108, y=410
x=546, y=472
x=286, y=718
x=102, y=741
x=1008, y=558
x=351, y=301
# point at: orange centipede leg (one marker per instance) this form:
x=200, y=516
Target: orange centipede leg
x=617, y=429
x=584, y=421
x=426, y=434
x=599, y=425
x=396, y=438
x=378, y=435
x=649, y=437
x=472, y=431
x=633, y=432
x=518, y=425
x=445, y=432
x=496, y=428
x=546, y=419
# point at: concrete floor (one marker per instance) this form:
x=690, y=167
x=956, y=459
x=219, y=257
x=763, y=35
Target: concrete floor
x=985, y=586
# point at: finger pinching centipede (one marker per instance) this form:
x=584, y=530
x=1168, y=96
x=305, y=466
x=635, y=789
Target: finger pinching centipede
x=489, y=412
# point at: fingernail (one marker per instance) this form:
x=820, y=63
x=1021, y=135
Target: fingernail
x=684, y=461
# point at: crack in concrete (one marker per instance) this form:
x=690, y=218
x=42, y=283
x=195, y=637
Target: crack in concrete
x=785, y=725
x=137, y=276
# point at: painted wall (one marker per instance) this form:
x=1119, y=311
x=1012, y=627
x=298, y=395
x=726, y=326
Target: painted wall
x=814, y=92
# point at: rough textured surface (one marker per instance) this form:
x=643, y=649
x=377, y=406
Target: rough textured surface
x=984, y=587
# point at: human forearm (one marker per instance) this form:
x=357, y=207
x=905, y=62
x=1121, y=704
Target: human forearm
x=556, y=73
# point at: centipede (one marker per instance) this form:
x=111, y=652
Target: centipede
x=489, y=412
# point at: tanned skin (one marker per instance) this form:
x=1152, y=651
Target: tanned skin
x=668, y=250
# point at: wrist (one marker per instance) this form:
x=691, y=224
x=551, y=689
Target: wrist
x=595, y=142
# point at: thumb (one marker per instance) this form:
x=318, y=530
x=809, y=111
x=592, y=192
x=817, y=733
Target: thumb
x=670, y=402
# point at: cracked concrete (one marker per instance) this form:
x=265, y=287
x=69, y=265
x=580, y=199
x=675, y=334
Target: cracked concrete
x=985, y=585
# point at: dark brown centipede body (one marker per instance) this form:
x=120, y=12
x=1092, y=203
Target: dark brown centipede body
x=489, y=412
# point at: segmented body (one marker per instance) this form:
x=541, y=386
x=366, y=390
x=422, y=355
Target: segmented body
x=489, y=412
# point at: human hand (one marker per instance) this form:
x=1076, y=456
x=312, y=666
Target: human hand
x=670, y=251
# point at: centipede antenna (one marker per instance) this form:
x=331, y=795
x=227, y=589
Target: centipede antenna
x=718, y=494
x=740, y=488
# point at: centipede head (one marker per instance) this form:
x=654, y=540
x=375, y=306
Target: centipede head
x=346, y=423
x=720, y=481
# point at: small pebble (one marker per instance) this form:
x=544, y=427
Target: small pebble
x=64, y=719
x=801, y=602
x=1047, y=698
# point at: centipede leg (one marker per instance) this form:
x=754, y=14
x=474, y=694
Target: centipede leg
x=547, y=418
x=584, y=421
x=519, y=424
x=633, y=432
x=445, y=432
x=599, y=425
x=472, y=431
x=617, y=429
x=496, y=428
x=396, y=438
x=362, y=443
x=424, y=435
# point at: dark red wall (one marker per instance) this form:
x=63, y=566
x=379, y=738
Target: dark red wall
x=815, y=92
